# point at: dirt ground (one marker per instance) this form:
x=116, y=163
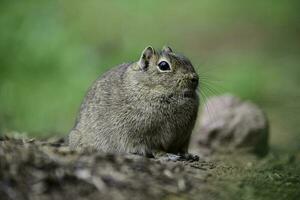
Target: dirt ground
x=37, y=169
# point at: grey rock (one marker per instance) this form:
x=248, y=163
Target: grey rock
x=228, y=124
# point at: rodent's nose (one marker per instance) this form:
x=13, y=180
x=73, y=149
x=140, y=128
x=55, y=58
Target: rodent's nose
x=194, y=79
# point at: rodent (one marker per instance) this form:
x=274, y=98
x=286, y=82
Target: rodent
x=143, y=107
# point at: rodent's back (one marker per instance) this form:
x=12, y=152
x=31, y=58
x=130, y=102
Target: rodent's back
x=102, y=98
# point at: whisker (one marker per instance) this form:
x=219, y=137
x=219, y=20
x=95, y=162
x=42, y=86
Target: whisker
x=206, y=104
x=213, y=90
x=209, y=86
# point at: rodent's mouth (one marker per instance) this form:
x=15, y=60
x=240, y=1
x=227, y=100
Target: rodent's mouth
x=188, y=93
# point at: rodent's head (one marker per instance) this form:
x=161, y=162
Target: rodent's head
x=166, y=73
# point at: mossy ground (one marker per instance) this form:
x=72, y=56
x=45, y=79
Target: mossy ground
x=277, y=176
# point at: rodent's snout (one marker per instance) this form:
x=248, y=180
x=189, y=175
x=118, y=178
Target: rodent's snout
x=194, y=80
x=191, y=80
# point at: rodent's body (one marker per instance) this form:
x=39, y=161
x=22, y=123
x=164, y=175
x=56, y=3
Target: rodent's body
x=130, y=110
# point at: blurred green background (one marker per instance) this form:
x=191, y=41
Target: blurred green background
x=51, y=51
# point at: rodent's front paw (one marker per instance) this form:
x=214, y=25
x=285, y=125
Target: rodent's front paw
x=176, y=157
x=167, y=157
x=189, y=157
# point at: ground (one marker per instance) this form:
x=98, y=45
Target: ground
x=46, y=169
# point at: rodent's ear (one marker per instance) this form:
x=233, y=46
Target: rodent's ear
x=146, y=56
x=167, y=49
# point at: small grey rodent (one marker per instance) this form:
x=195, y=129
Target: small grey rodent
x=143, y=107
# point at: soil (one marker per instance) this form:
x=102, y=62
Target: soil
x=47, y=169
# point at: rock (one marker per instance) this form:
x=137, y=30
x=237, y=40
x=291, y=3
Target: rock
x=43, y=169
x=227, y=123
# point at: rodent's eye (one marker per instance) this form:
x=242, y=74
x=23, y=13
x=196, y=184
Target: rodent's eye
x=164, y=66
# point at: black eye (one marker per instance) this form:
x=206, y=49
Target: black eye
x=164, y=66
